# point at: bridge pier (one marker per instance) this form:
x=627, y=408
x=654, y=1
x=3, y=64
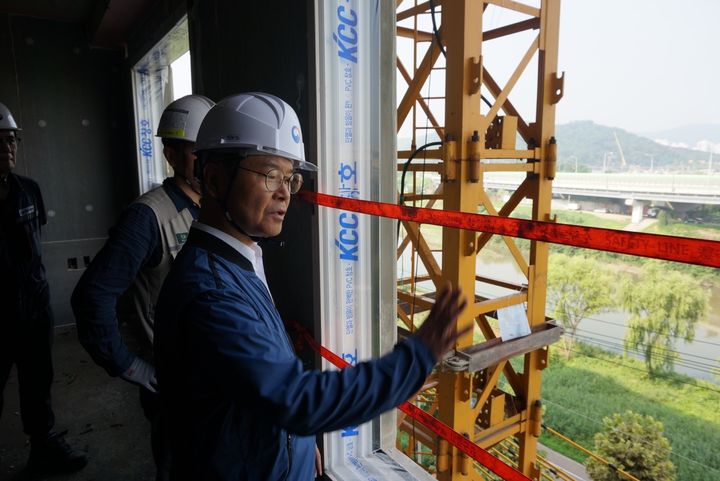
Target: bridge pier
x=638, y=209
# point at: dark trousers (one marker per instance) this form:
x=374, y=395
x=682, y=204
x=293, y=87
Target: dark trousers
x=26, y=341
x=159, y=434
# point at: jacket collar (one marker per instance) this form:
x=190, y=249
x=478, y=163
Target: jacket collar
x=210, y=243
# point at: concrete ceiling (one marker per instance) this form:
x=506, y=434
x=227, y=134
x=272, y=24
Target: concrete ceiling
x=108, y=22
x=76, y=11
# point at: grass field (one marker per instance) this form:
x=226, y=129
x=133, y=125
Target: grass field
x=579, y=392
x=697, y=231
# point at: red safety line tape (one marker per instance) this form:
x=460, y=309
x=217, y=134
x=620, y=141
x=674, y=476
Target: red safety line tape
x=701, y=252
x=465, y=445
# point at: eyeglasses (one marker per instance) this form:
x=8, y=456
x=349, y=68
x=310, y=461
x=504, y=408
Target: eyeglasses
x=274, y=180
x=9, y=141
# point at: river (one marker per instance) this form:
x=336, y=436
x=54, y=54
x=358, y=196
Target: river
x=607, y=329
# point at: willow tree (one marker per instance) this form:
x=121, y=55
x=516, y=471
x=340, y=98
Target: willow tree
x=664, y=306
x=578, y=287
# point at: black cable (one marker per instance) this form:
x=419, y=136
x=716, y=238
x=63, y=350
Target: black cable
x=551, y=308
x=436, y=36
x=625, y=433
x=694, y=365
x=620, y=342
x=402, y=178
x=642, y=370
x=436, y=32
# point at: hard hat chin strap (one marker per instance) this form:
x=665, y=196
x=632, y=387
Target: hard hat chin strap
x=190, y=183
x=240, y=229
x=225, y=201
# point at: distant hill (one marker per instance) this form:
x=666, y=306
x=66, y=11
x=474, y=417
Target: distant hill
x=592, y=145
x=689, y=135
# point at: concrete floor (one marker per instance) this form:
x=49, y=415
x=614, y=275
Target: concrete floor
x=102, y=416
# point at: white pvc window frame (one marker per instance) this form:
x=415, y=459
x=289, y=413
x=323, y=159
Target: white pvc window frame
x=154, y=87
x=355, y=72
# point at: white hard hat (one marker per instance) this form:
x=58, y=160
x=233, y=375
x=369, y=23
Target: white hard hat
x=7, y=122
x=254, y=122
x=182, y=118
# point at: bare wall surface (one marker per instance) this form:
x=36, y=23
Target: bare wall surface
x=74, y=107
x=263, y=46
x=155, y=24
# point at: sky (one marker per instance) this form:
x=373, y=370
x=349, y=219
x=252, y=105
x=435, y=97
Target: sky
x=181, y=78
x=642, y=65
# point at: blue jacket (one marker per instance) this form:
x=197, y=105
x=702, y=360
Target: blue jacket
x=240, y=405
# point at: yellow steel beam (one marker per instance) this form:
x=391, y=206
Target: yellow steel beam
x=418, y=35
x=489, y=386
x=520, y=193
x=507, y=106
x=503, y=95
x=541, y=187
x=424, y=251
x=530, y=24
x=414, y=86
x=519, y=167
x=511, y=426
x=514, y=250
x=423, y=303
x=433, y=121
x=490, y=305
x=508, y=154
x=463, y=163
x=517, y=6
x=413, y=11
x=462, y=34
x=405, y=319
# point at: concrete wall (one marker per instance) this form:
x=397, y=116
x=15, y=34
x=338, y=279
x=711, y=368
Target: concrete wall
x=74, y=107
x=156, y=24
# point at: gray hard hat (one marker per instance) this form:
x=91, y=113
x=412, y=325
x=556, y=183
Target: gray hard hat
x=182, y=118
x=254, y=123
x=7, y=122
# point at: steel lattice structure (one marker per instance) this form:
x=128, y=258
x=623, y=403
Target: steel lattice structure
x=476, y=78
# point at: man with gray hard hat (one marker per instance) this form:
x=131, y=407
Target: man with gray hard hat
x=26, y=321
x=240, y=405
x=122, y=283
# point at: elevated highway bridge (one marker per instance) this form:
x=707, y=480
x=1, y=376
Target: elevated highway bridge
x=691, y=189
x=636, y=189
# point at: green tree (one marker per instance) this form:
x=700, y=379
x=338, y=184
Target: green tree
x=663, y=217
x=577, y=287
x=664, y=305
x=632, y=443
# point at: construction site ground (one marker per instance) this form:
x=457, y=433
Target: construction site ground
x=103, y=418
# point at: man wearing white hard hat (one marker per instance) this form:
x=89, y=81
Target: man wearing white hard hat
x=239, y=403
x=122, y=283
x=26, y=321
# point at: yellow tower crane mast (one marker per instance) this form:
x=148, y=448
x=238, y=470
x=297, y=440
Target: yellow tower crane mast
x=489, y=390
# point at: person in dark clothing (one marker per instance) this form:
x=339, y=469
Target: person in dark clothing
x=121, y=284
x=26, y=322
x=240, y=405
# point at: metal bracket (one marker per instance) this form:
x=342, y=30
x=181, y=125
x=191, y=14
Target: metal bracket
x=475, y=71
x=489, y=353
x=558, y=88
